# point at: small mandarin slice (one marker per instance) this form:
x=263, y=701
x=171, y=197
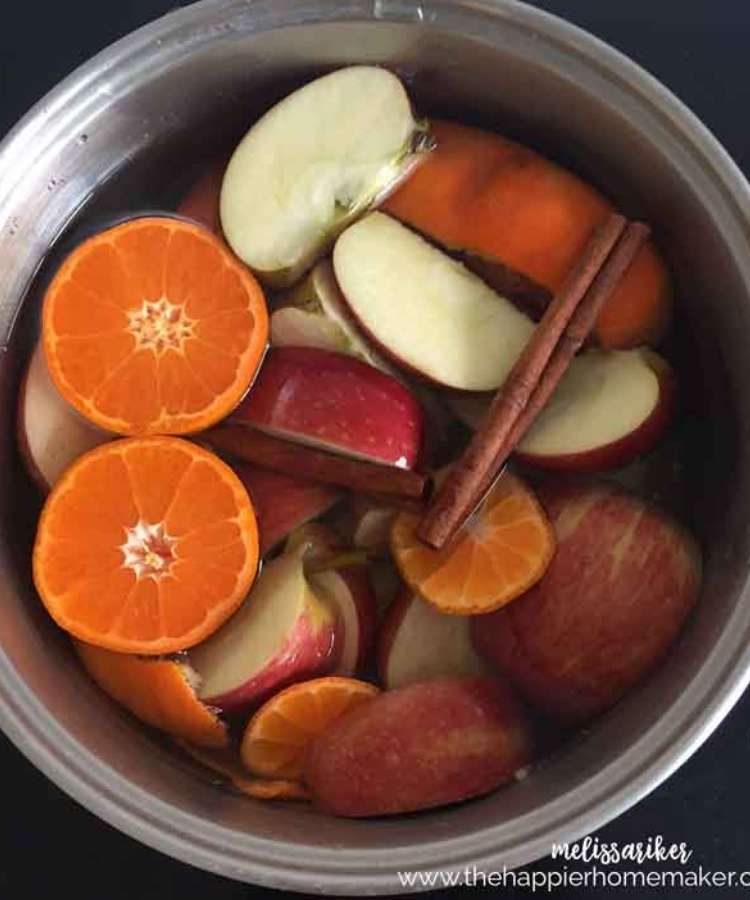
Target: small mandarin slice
x=278, y=736
x=145, y=545
x=500, y=554
x=226, y=764
x=158, y=691
x=153, y=327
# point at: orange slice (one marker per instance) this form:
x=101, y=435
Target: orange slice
x=501, y=553
x=153, y=327
x=278, y=735
x=145, y=545
x=159, y=692
x=226, y=764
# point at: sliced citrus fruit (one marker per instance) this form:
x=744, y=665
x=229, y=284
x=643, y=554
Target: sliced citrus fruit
x=160, y=692
x=278, y=735
x=153, y=327
x=145, y=545
x=226, y=764
x=501, y=553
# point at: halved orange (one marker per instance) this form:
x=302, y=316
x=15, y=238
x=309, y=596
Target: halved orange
x=226, y=764
x=277, y=737
x=154, y=327
x=145, y=545
x=159, y=692
x=501, y=553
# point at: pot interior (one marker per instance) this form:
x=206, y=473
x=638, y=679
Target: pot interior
x=181, y=105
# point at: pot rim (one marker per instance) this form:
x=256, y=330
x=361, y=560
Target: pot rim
x=653, y=757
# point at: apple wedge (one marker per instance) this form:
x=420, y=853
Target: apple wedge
x=347, y=591
x=334, y=402
x=315, y=314
x=315, y=162
x=51, y=434
x=417, y=643
x=424, y=310
x=282, y=503
x=283, y=633
x=609, y=408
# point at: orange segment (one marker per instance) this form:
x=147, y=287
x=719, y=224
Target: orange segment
x=226, y=764
x=157, y=691
x=146, y=545
x=278, y=735
x=498, y=556
x=154, y=327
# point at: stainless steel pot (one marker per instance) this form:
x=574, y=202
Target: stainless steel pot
x=151, y=104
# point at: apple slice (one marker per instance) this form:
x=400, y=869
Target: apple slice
x=292, y=327
x=283, y=633
x=417, y=643
x=315, y=314
x=424, y=310
x=335, y=402
x=51, y=434
x=347, y=591
x=282, y=504
x=609, y=408
x=315, y=162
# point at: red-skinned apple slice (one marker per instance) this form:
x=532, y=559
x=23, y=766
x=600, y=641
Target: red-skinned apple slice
x=51, y=434
x=424, y=310
x=347, y=591
x=417, y=643
x=335, y=402
x=282, y=634
x=315, y=314
x=312, y=164
x=282, y=504
x=610, y=408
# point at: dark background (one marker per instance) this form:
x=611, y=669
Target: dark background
x=48, y=844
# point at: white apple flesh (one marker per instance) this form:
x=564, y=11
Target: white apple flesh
x=282, y=634
x=51, y=434
x=423, y=309
x=347, y=591
x=315, y=314
x=312, y=164
x=417, y=643
x=609, y=408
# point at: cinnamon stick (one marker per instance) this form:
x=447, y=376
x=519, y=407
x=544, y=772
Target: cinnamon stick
x=565, y=325
x=302, y=461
